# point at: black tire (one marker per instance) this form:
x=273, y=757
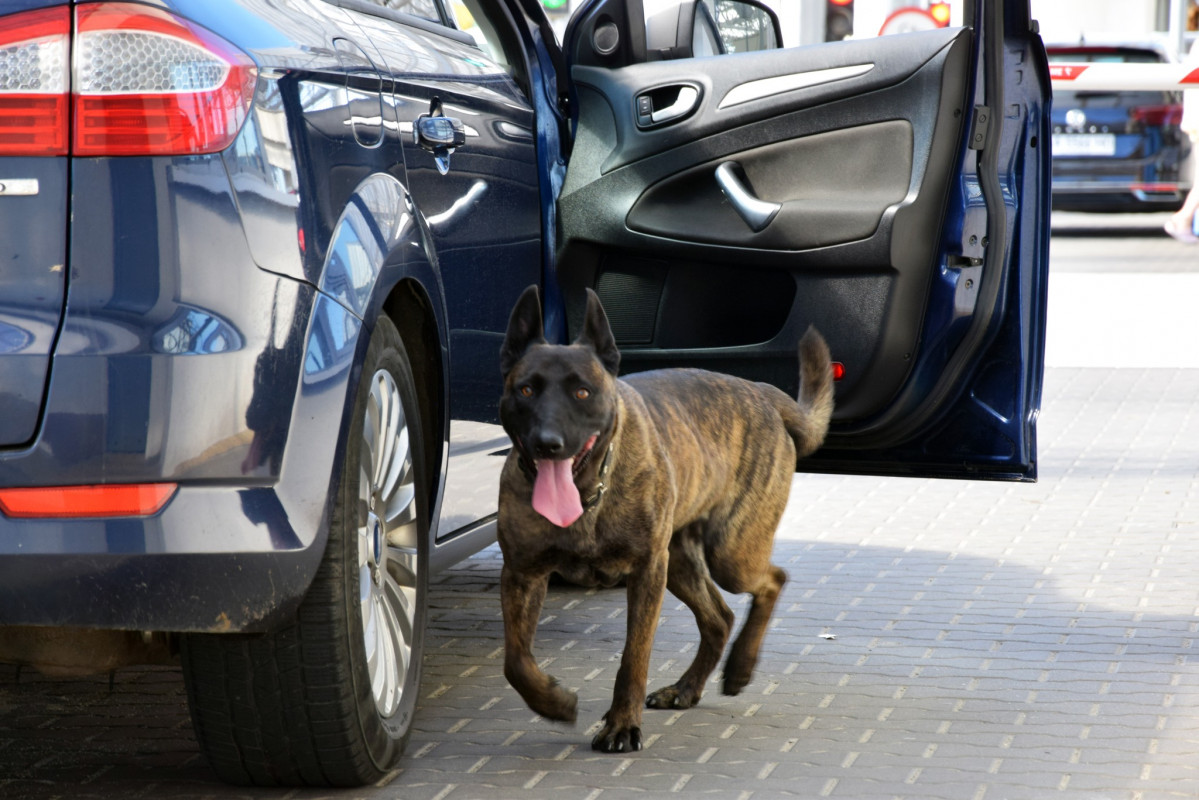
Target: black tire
x=314, y=703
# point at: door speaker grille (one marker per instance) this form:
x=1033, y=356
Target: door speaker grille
x=631, y=302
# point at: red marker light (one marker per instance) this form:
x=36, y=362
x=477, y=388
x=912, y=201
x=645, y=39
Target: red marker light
x=35, y=74
x=838, y=370
x=77, y=502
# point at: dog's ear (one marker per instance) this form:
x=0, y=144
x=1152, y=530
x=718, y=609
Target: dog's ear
x=597, y=334
x=524, y=329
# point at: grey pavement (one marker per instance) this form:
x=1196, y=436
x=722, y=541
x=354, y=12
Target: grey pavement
x=1121, y=293
x=991, y=640
x=1083, y=243
x=937, y=639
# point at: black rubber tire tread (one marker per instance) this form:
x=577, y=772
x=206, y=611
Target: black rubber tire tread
x=294, y=707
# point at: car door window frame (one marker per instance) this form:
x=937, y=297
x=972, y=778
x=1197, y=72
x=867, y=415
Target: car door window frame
x=444, y=26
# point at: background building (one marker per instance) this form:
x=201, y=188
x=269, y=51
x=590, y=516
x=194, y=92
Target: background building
x=812, y=21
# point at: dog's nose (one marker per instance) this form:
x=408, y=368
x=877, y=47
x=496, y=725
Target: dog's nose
x=548, y=444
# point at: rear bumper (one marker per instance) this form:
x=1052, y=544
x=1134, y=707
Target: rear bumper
x=1116, y=199
x=1071, y=194
x=215, y=559
x=1156, y=182
x=232, y=552
x=236, y=547
x=179, y=360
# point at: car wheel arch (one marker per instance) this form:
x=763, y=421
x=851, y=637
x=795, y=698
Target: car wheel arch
x=410, y=307
x=395, y=275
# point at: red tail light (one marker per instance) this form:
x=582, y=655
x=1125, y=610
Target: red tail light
x=149, y=83
x=1157, y=115
x=35, y=60
x=144, y=82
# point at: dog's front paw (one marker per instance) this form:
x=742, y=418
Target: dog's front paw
x=671, y=697
x=614, y=739
x=733, y=684
x=557, y=704
x=738, y=671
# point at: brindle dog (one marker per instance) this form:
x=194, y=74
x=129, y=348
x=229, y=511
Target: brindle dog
x=674, y=479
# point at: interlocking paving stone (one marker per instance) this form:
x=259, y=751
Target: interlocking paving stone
x=937, y=639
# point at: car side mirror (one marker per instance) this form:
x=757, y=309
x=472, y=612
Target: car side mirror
x=697, y=28
x=745, y=26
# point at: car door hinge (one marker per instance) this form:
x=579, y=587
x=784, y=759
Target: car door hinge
x=979, y=122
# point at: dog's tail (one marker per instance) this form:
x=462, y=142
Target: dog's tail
x=808, y=423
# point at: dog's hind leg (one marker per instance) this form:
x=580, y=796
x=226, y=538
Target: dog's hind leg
x=740, y=562
x=688, y=580
x=743, y=656
x=521, y=599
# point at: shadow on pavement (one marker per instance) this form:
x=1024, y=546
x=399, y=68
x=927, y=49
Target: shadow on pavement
x=948, y=674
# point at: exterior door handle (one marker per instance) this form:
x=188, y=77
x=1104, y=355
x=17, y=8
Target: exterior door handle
x=439, y=135
x=756, y=213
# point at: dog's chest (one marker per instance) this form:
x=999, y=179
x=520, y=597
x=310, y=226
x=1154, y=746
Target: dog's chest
x=595, y=554
x=591, y=575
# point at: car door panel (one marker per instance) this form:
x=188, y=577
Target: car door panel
x=860, y=167
x=891, y=192
x=761, y=81
x=813, y=180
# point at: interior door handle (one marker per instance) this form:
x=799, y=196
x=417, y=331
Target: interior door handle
x=756, y=213
x=682, y=105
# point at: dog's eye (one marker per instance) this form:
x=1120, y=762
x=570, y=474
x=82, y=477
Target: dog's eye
x=582, y=393
x=526, y=390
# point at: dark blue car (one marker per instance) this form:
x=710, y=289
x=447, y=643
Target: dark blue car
x=1118, y=150
x=257, y=258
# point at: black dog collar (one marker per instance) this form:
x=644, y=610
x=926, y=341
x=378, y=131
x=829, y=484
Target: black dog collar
x=593, y=501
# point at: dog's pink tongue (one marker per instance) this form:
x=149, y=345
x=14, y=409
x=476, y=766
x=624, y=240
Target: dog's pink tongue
x=555, y=495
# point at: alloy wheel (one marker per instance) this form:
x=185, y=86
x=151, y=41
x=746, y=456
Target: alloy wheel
x=388, y=536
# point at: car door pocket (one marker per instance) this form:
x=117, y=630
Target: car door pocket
x=666, y=104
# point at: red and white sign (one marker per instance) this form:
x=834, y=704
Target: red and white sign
x=908, y=20
x=1133, y=77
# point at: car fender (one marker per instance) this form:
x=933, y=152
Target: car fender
x=379, y=255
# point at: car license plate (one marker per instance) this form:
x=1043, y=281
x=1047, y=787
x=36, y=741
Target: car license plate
x=1084, y=144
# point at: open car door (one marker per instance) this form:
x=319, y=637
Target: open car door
x=893, y=192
